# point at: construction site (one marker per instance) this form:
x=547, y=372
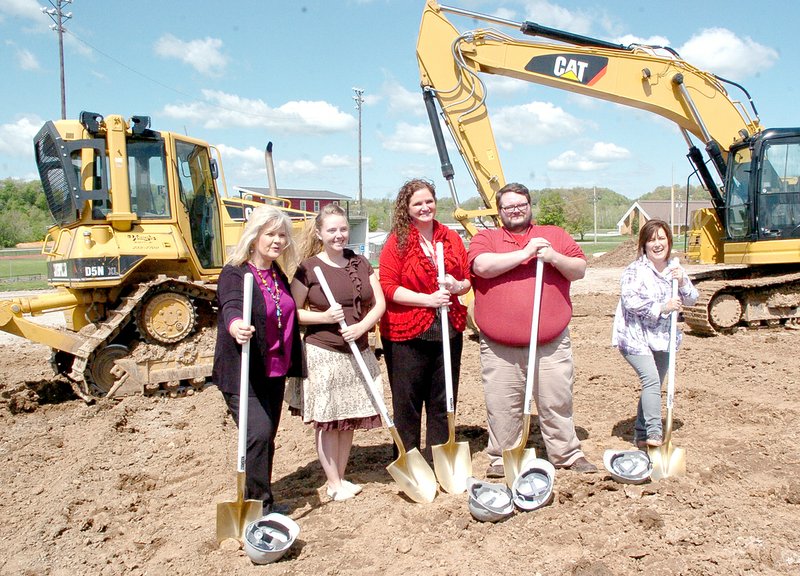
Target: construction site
x=117, y=447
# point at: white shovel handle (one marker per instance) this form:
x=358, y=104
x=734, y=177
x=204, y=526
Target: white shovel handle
x=673, y=343
x=377, y=398
x=448, y=362
x=537, y=306
x=244, y=374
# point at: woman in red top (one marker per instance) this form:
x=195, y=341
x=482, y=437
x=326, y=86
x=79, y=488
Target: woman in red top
x=411, y=327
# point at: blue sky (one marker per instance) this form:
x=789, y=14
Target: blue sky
x=240, y=74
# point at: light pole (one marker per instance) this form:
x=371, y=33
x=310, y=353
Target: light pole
x=58, y=17
x=359, y=98
x=594, y=202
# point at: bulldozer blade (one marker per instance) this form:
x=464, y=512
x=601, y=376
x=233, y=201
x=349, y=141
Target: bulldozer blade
x=234, y=516
x=412, y=473
x=514, y=459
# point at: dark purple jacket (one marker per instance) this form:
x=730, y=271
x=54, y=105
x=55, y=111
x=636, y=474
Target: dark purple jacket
x=227, y=353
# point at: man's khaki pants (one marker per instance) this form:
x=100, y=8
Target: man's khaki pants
x=503, y=369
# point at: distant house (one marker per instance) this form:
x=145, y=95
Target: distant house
x=314, y=201
x=307, y=200
x=644, y=210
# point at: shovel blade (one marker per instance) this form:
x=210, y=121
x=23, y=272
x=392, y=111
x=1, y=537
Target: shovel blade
x=515, y=461
x=233, y=517
x=667, y=461
x=452, y=463
x=414, y=476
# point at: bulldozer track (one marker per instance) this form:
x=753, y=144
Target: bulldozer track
x=120, y=317
x=699, y=316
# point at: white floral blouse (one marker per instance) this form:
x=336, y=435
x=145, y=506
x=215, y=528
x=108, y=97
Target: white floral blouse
x=639, y=326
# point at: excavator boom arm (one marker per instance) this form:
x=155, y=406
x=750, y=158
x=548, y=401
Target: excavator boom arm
x=632, y=76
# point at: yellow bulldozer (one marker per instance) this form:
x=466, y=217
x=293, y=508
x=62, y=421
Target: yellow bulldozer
x=142, y=228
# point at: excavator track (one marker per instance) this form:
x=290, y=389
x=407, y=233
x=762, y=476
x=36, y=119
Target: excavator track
x=102, y=353
x=724, y=305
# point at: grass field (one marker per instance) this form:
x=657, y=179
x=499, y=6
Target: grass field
x=603, y=244
x=22, y=271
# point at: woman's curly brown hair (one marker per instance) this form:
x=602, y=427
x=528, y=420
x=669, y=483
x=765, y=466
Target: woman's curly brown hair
x=401, y=221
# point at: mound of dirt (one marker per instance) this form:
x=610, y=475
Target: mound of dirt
x=620, y=256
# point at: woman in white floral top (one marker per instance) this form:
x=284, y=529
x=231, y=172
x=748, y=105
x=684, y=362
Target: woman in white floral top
x=642, y=322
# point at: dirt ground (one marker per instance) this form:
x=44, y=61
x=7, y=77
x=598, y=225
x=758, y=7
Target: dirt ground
x=131, y=486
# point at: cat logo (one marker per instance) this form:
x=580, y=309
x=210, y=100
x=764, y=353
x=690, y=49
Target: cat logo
x=586, y=70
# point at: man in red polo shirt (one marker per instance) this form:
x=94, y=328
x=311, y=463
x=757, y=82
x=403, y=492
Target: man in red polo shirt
x=503, y=265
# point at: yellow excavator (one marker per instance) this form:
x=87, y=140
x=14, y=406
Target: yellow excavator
x=752, y=230
x=143, y=226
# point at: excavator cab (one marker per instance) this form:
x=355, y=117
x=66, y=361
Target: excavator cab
x=763, y=187
x=779, y=198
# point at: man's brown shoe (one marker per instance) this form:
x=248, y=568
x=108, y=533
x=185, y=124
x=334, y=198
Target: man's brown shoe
x=496, y=471
x=582, y=465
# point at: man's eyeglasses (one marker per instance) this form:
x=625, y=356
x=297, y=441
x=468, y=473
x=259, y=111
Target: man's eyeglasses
x=514, y=208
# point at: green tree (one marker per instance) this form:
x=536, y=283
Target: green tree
x=578, y=214
x=551, y=209
x=23, y=212
x=373, y=222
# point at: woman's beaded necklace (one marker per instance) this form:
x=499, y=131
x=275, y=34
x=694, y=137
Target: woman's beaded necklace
x=274, y=292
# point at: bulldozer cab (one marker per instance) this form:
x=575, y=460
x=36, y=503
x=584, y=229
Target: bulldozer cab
x=110, y=178
x=198, y=199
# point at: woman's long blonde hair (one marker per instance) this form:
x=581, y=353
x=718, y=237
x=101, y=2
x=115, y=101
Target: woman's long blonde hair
x=266, y=219
x=310, y=244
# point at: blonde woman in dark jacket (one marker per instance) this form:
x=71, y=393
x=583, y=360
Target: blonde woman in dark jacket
x=275, y=340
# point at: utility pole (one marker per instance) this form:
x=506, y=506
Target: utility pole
x=594, y=202
x=58, y=17
x=359, y=98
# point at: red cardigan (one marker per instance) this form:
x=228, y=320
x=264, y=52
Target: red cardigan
x=411, y=269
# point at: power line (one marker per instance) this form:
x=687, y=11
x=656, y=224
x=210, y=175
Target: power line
x=166, y=86
x=143, y=75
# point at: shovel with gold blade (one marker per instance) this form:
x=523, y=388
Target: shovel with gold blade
x=668, y=460
x=411, y=472
x=514, y=459
x=452, y=461
x=233, y=516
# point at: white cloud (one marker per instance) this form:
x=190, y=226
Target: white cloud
x=503, y=85
x=606, y=151
x=720, y=51
x=554, y=16
x=204, y=55
x=572, y=161
x=21, y=8
x=337, y=161
x=16, y=138
x=628, y=39
x=27, y=60
x=533, y=123
x=247, y=165
x=599, y=156
x=295, y=167
x=505, y=14
x=222, y=110
x=410, y=138
x=402, y=101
